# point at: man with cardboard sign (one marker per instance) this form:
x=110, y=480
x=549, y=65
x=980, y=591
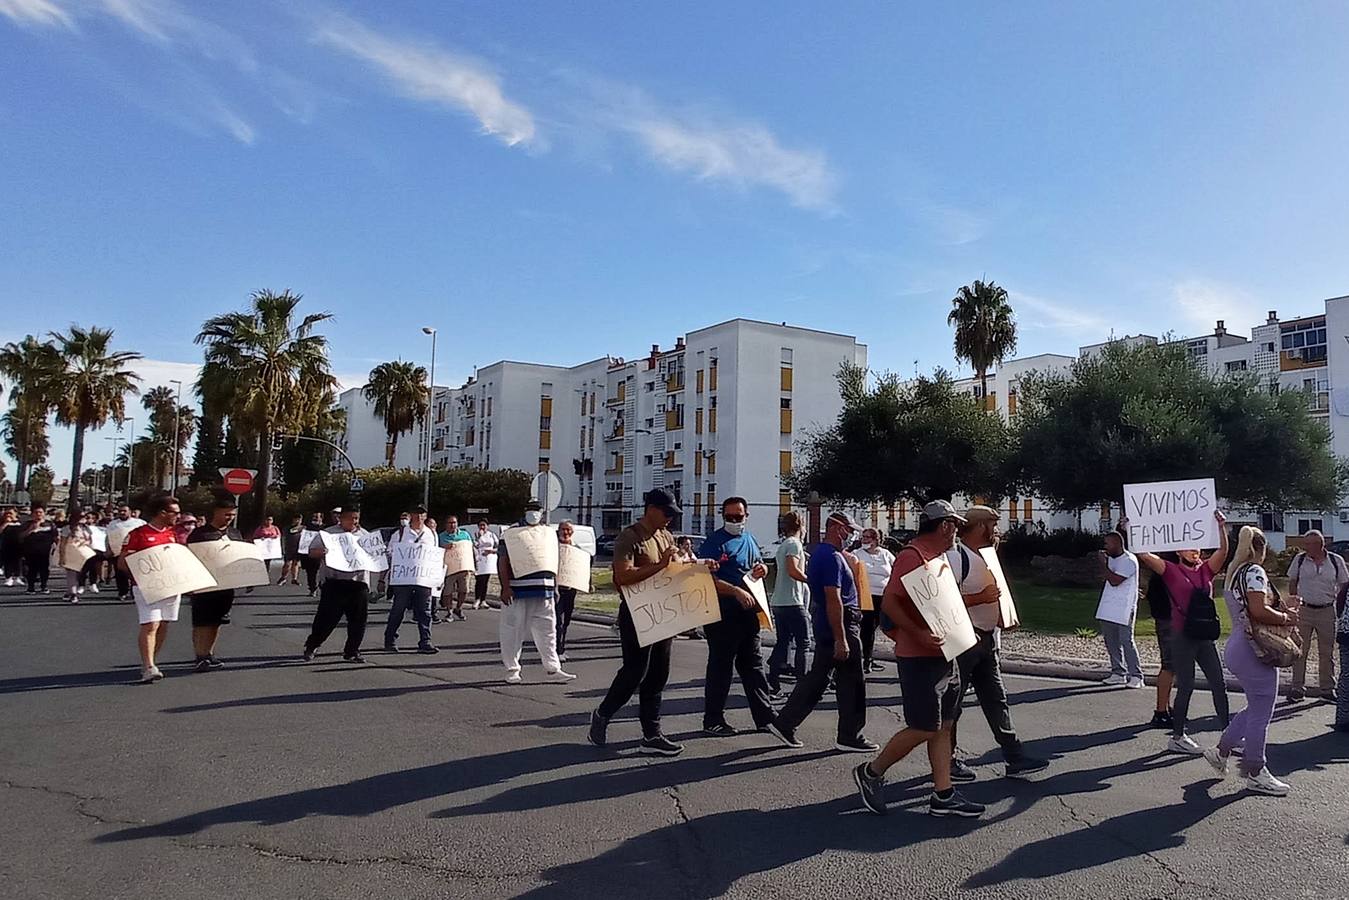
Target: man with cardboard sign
x=416, y=564
x=345, y=590
x=527, y=569
x=236, y=564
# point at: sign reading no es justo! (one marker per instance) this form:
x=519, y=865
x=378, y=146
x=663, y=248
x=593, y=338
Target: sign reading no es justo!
x=1171, y=515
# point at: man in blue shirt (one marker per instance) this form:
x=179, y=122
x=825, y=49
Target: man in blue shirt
x=733, y=643
x=456, y=586
x=837, y=619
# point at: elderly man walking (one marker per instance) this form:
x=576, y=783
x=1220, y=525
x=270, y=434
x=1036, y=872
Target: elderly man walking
x=1317, y=576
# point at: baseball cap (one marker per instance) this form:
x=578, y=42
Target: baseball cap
x=418, y=509
x=940, y=509
x=844, y=519
x=533, y=504
x=661, y=498
x=980, y=513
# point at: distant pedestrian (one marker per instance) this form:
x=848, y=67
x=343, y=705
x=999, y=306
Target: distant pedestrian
x=1194, y=632
x=38, y=537
x=309, y=563
x=73, y=538
x=267, y=531
x=290, y=551
x=485, y=557
x=456, y=586
x=414, y=597
x=162, y=512
x=1317, y=575
x=211, y=609
x=566, y=597
x=791, y=595
x=11, y=547
x=878, y=562
x=528, y=606
x=183, y=527
x=1117, y=610
x=342, y=594
x=1252, y=601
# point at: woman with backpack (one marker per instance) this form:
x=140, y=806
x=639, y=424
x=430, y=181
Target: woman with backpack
x=1254, y=605
x=1195, y=629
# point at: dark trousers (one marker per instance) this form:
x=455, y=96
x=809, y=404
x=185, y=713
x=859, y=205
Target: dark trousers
x=1185, y=653
x=733, y=646
x=13, y=561
x=566, y=605
x=789, y=622
x=123, y=582
x=36, y=570
x=480, y=587
x=338, y=599
x=849, y=680
x=644, y=671
x=870, y=618
x=416, y=598
x=92, y=569
x=979, y=669
x=311, y=571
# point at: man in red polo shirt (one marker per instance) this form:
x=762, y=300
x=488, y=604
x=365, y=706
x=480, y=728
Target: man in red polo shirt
x=929, y=682
x=161, y=513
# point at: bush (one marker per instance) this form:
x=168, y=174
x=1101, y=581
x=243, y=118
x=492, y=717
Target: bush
x=1022, y=546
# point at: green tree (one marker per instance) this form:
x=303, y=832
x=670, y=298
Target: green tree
x=41, y=484
x=914, y=440
x=208, y=456
x=136, y=462
x=166, y=415
x=29, y=367
x=90, y=389
x=267, y=370
x=1146, y=413
x=391, y=491
x=400, y=394
x=305, y=462
x=985, y=327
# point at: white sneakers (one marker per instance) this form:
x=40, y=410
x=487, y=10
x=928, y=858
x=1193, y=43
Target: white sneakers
x=1115, y=681
x=9, y=582
x=1184, y=745
x=93, y=589
x=558, y=677
x=513, y=678
x=1264, y=783
x=1216, y=760
x=1134, y=683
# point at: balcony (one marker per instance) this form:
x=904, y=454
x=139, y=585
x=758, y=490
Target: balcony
x=675, y=382
x=616, y=434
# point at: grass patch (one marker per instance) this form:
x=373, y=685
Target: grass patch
x=1066, y=610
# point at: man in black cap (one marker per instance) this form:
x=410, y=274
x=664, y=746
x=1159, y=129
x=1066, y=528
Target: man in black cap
x=642, y=549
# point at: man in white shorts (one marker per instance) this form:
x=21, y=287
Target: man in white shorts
x=161, y=514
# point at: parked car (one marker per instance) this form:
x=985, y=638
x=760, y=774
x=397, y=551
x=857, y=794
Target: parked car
x=604, y=544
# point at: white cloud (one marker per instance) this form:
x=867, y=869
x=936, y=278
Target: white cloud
x=234, y=124
x=1072, y=319
x=425, y=72
x=1202, y=302
x=952, y=225
x=36, y=12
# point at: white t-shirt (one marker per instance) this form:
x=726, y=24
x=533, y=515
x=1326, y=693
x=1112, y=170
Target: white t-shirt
x=405, y=535
x=1119, y=602
x=984, y=616
x=877, y=565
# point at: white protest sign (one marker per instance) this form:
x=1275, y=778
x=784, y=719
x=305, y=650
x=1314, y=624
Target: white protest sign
x=936, y=594
x=1171, y=515
x=98, y=539
x=233, y=564
x=755, y=586
x=76, y=555
x=573, y=568
x=118, y=531
x=345, y=553
x=458, y=557
x=373, y=545
x=307, y=539
x=416, y=564
x=674, y=600
x=1007, y=615
x=531, y=549
x=167, y=570
x=270, y=547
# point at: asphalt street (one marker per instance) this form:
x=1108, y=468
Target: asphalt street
x=426, y=776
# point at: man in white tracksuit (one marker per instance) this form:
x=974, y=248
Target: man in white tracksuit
x=528, y=598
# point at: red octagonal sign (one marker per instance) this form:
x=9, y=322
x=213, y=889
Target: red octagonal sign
x=238, y=481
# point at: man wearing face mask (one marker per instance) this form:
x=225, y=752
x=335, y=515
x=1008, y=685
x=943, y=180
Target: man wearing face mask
x=733, y=643
x=877, y=561
x=528, y=605
x=412, y=530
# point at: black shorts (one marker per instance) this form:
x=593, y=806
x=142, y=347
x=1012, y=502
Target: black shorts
x=931, y=691
x=1164, y=642
x=210, y=607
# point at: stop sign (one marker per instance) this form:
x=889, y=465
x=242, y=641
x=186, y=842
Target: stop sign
x=238, y=481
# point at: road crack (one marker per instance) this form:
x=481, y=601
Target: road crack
x=79, y=802
x=420, y=863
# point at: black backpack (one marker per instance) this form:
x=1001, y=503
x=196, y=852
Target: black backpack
x=1201, y=619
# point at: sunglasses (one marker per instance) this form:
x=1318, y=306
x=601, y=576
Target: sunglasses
x=734, y=518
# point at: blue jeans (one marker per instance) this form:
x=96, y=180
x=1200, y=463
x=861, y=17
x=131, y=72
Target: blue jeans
x=419, y=599
x=790, y=624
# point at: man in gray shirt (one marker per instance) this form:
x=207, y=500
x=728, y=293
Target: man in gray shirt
x=1316, y=575
x=342, y=593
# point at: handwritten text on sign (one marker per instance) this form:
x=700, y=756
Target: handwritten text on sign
x=674, y=600
x=458, y=557
x=233, y=564
x=416, y=564
x=1171, y=515
x=934, y=591
x=167, y=570
x=573, y=568
x=345, y=553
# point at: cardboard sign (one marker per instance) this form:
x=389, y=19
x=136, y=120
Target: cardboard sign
x=531, y=549
x=270, y=547
x=98, y=539
x=1007, y=615
x=233, y=564
x=75, y=556
x=756, y=588
x=573, y=568
x=416, y=564
x=934, y=590
x=1171, y=515
x=167, y=570
x=118, y=531
x=307, y=539
x=676, y=599
x=863, y=580
x=458, y=557
x=373, y=545
x=344, y=553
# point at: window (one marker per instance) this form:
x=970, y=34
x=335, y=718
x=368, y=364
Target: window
x=785, y=379
x=1026, y=510
x=1306, y=525
x=650, y=423
x=784, y=502
x=784, y=461
x=543, y=464
x=1271, y=522
x=647, y=459
x=786, y=403
x=679, y=445
x=545, y=423
x=786, y=356
x=489, y=406
x=545, y=390
x=1236, y=365
x=1269, y=347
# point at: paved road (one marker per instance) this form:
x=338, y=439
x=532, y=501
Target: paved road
x=427, y=777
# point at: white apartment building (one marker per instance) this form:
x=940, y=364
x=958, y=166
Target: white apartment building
x=365, y=438
x=715, y=415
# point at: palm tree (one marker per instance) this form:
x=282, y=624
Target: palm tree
x=159, y=403
x=401, y=396
x=29, y=366
x=90, y=389
x=985, y=327
x=266, y=372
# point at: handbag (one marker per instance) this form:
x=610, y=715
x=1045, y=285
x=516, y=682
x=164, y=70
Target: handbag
x=1275, y=645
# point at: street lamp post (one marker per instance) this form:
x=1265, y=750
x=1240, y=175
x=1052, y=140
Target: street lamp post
x=112, y=483
x=177, y=410
x=130, y=459
x=430, y=406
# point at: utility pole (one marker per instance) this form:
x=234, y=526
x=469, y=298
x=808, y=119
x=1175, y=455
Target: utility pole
x=177, y=410
x=430, y=407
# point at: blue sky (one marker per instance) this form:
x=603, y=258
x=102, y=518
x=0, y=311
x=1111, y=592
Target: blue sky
x=556, y=181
